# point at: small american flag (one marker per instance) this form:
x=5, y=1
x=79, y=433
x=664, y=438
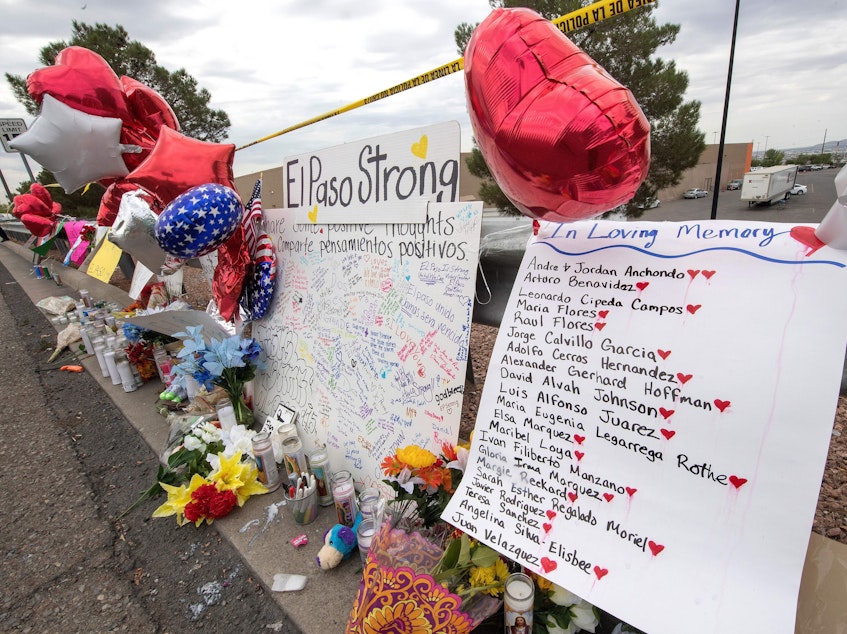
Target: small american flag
x=252, y=221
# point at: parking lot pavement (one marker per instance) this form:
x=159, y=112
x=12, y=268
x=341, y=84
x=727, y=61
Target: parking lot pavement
x=804, y=208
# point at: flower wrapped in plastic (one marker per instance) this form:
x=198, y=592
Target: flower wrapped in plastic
x=421, y=574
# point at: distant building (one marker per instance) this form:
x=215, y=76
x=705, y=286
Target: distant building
x=736, y=162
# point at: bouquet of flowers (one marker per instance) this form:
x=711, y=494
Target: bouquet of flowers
x=196, y=448
x=139, y=349
x=421, y=574
x=228, y=363
x=558, y=611
x=208, y=498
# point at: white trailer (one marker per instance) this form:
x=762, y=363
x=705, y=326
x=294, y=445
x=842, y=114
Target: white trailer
x=766, y=185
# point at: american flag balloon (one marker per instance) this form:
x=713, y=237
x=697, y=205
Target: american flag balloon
x=259, y=285
x=198, y=221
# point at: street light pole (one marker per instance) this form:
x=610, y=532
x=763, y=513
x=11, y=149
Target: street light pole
x=725, y=111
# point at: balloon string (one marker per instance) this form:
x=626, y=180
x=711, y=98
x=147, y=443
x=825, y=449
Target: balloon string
x=586, y=16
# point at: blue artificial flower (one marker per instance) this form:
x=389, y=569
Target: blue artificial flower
x=193, y=341
x=133, y=333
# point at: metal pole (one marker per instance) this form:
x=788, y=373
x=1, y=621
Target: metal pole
x=825, y=130
x=6, y=187
x=26, y=165
x=725, y=111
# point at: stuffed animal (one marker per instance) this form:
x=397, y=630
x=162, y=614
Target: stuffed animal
x=339, y=543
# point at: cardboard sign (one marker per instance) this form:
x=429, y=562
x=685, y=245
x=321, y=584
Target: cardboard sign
x=376, y=180
x=655, y=422
x=105, y=261
x=368, y=333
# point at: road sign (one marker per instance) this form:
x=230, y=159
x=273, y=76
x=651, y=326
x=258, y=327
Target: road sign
x=9, y=129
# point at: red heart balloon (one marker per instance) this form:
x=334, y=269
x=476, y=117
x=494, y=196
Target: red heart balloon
x=148, y=107
x=561, y=137
x=82, y=80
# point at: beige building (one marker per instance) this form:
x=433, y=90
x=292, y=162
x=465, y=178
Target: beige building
x=736, y=162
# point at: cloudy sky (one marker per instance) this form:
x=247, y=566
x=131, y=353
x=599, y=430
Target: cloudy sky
x=272, y=64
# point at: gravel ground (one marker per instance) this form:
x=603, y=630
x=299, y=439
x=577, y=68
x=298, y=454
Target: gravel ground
x=831, y=513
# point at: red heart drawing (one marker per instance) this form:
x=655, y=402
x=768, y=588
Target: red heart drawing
x=664, y=353
x=736, y=481
x=693, y=273
x=631, y=491
x=551, y=515
x=708, y=274
x=691, y=308
x=600, y=572
x=548, y=564
x=533, y=98
x=807, y=237
x=666, y=413
x=600, y=325
x=603, y=313
x=668, y=433
x=684, y=378
x=579, y=439
x=579, y=455
x=655, y=548
x=547, y=527
x=722, y=405
x=641, y=285
x=572, y=496
x=609, y=496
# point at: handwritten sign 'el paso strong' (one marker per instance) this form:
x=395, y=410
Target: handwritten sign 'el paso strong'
x=656, y=418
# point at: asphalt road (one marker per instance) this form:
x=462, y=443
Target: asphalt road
x=71, y=463
x=803, y=208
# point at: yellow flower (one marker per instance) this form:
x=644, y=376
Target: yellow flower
x=416, y=457
x=178, y=497
x=481, y=576
x=501, y=570
x=242, y=478
x=403, y=618
x=543, y=584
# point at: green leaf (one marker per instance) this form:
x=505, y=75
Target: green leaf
x=451, y=555
x=483, y=556
x=465, y=551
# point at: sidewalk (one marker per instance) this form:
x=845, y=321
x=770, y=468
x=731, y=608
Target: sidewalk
x=257, y=531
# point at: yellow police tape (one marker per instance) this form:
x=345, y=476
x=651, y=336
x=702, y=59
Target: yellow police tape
x=586, y=16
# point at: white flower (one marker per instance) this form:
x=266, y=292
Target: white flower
x=239, y=439
x=584, y=617
x=192, y=442
x=582, y=613
x=561, y=596
x=461, y=461
x=405, y=480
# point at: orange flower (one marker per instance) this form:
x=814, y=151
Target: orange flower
x=432, y=477
x=449, y=452
x=391, y=466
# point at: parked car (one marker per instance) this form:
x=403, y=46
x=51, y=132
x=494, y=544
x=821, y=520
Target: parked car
x=804, y=168
x=798, y=189
x=734, y=184
x=695, y=193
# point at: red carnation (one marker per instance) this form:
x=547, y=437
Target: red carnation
x=221, y=504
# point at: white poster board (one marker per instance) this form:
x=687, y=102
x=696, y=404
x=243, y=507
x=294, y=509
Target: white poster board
x=367, y=336
x=655, y=422
x=368, y=333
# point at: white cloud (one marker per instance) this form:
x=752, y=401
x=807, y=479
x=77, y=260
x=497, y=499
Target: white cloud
x=271, y=65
